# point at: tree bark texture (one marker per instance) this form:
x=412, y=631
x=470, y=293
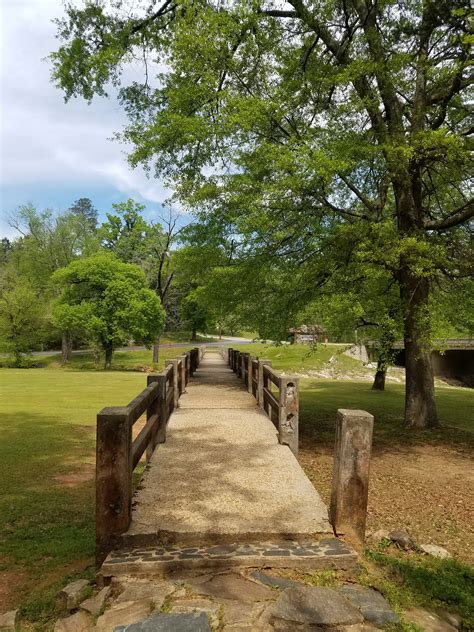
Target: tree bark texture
x=66, y=346
x=108, y=357
x=379, y=379
x=156, y=351
x=420, y=405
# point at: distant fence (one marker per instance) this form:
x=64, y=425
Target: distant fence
x=117, y=455
x=276, y=394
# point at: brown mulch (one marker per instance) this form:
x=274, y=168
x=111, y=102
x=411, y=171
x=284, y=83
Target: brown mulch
x=426, y=490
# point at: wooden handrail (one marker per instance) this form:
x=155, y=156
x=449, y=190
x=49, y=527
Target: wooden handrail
x=117, y=455
x=282, y=407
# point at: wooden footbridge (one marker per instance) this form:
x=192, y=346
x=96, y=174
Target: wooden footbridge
x=222, y=485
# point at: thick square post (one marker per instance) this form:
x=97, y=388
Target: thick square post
x=153, y=409
x=230, y=351
x=113, y=478
x=250, y=375
x=350, y=482
x=183, y=374
x=175, y=383
x=162, y=409
x=260, y=398
x=288, y=413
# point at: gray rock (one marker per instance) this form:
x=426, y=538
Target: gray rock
x=154, y=589
x=209, y=608
x=124, y=613
x=8, y=620
x=238, y=614
x=79, y=622
x=428, y=621
x=402, y=539
x=274, y=582
x=318, y=607
x=435, y=551
x=379, y=536
x=72, y=594
x=164, y=622
x=94, y=604
x=233, y=586
x=373, y=606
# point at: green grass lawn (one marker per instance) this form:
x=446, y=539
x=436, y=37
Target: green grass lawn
x=47, y=422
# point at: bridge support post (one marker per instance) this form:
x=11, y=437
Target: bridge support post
x=350, y=482
x=260, y=382
x=175, y=383
x=250, y=375
x=288, y=413
x=230, y=351
x=183, y=374
x=113, y=478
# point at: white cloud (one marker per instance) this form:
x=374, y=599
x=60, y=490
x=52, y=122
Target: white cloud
x=44, y=140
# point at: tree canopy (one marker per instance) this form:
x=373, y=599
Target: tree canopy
x=285, y=123
x=108, y=302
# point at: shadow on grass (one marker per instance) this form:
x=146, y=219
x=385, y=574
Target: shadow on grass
x=42, y=522
x=321, y=399
x=428, y=582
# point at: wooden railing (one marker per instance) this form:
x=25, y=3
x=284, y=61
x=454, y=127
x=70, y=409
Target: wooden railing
x=117, y=455
x=276, y=394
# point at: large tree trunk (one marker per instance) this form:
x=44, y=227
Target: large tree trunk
x=379, y=379
x=156, y=351
x=108, y=357
x=194, y=333
x=420, y=405
x=66, y=346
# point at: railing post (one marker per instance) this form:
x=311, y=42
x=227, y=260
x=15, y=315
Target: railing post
x=261, y=364
x=162, y=409
x=175, y=383
x=229, y=356
x=113, y=478
x=350, y=482
x=188, y=366
x=238, y=363
x=250, y=375
x=288, y=413
x=183, y=374
x=153, y=409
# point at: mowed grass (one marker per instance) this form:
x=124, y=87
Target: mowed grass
x=301, y=358
x=130, y=360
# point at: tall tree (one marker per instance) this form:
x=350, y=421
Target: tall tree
x=148, y=244
x=109, y=302
x=49, y=242
x=286, y=121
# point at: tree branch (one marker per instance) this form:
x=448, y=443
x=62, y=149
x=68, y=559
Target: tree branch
x=459, y=216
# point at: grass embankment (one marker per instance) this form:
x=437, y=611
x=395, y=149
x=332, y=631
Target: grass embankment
x=420, y=481
x=47, y=489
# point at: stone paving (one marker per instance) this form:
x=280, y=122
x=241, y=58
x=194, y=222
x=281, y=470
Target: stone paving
x=327, y=553
x=232, y=602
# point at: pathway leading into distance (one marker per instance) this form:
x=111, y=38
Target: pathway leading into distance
x=222, y=476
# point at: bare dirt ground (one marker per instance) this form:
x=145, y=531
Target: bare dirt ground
x=426, y=490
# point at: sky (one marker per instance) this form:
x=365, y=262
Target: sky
x=52, y=152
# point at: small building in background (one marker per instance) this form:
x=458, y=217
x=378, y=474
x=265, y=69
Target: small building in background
x=307, y=334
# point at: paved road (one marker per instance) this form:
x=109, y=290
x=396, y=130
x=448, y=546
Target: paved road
x=227, y=341
x=222, y=475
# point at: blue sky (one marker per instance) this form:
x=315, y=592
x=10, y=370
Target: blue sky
x=52, y=153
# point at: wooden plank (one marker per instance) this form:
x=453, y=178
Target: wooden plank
x=141, y=402
x=272, y=375
x=143, y=439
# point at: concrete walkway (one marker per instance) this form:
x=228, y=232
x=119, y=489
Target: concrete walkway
x=222, y=476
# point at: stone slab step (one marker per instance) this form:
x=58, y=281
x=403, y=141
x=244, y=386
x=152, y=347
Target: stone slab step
x=330, y=553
